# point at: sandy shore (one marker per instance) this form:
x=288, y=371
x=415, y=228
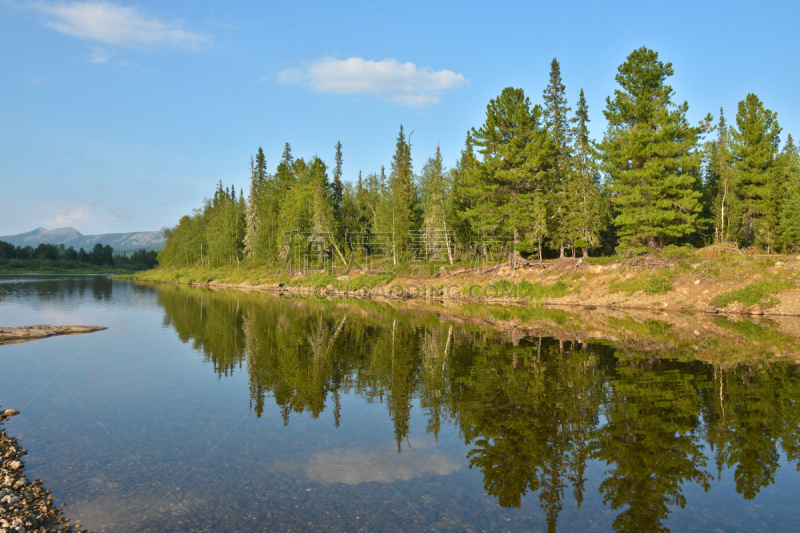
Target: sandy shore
x=29, y=333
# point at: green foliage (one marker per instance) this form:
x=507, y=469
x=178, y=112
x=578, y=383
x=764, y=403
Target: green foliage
x=755, y=179
x=789, y=220
x=753, y=293
x=58, y=258
x=508, y=190
x=528, y=181
x=650, y=156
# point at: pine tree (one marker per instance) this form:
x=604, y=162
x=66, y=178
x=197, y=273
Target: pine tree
x=462, y=196
x=337, y=189
x=509, y=187
x=754, y=147
x=555, y=113
x=584, y=194
x=435, y=192
x=719, y=180
x=253, y=221
x=650, y=156
x=790, y=210
x=402, y=194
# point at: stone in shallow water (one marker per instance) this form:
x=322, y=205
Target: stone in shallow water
x=11, y=412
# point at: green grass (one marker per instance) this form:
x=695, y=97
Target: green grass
x=648, y=328
x=659, y=284
x=525, y=289
x=755, y=332
x=751, y=294
x=604, y=260
x=367, y=281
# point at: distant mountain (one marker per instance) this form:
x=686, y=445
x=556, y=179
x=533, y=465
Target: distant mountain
x=120, y=242
x=65, y=232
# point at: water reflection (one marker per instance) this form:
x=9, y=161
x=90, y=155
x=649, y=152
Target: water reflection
x=532, y=412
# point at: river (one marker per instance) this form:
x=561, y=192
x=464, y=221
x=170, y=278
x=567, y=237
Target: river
x=199, y=410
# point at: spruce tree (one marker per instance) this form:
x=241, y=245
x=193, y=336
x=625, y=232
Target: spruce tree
x=435, y=192
x=463, y=193
x=555, y=113
x=253, y=221
x=402, y=194
x=584, y=194
x=754, y=147
x=718, y=181
x=650, y=156
x=790, y=209
x=509, y=187
x=337, y=188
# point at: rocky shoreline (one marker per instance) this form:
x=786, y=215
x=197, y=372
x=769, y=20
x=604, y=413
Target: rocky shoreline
x=12, y=335
x=25, y=506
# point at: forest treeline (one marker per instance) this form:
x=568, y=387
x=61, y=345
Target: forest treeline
x=531, y=175
x=61, y=256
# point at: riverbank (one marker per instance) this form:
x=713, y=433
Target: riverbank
x=698, y=282
x=25, y=505
x=38, y=269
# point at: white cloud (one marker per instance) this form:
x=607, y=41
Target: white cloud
x=400, y=83
x=380, y=463
x=99, y=56
x=113, y=24
x=66, y=214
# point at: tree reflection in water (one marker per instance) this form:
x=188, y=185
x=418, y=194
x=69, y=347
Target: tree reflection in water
x=533, y=411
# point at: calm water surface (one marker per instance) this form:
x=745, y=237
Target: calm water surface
x=204, y=411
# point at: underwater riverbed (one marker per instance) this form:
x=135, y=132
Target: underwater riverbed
x=225, y=411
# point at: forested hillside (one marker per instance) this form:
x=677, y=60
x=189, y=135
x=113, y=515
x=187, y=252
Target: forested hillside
x=530, y=175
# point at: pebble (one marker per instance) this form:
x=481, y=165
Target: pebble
x=24, y=505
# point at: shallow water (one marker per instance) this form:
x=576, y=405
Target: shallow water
x=223, y=411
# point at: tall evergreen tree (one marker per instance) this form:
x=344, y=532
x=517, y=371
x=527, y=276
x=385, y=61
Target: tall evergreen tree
x=509, y=187
x=337, y=188
x=463, y=195
x=719, y=180
x=556, y=121
x=754, y=147
x=650, y=156
x=790, y=208
x=402, y=195
x=435, y=193
x=253, y=220
x=584, y=193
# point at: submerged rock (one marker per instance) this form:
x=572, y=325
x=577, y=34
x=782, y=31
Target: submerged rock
x=24, y=505
x=754, y=310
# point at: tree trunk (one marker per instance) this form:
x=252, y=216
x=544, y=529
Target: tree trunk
x=447, y=243
x=585, y=252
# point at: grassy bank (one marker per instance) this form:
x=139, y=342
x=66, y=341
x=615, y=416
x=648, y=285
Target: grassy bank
x=684, y=279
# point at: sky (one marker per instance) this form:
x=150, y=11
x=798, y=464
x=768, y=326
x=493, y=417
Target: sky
x=120, y=116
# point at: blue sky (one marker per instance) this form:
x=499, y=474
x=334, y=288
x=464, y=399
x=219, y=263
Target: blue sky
x=122, y=116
